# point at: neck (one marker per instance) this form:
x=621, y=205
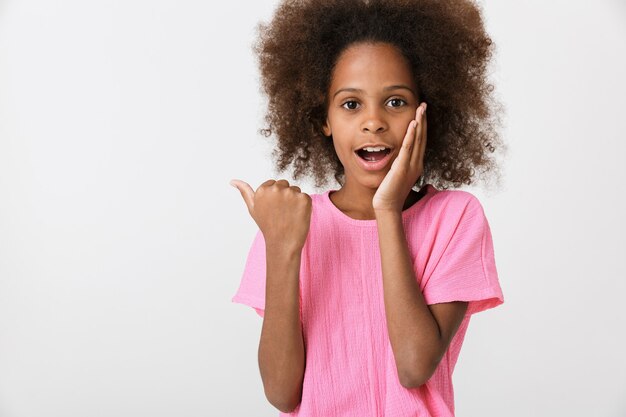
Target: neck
x=355, y=200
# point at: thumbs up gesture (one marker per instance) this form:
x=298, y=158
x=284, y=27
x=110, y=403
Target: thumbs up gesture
x=282, y=212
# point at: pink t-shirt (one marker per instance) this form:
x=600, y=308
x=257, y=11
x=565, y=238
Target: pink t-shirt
x=350, y=367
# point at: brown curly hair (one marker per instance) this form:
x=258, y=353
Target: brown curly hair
x=448, y=50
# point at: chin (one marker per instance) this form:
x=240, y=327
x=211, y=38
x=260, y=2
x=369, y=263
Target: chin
x=373, y=181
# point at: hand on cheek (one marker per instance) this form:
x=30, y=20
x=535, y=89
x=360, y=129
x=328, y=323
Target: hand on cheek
x=406, y=168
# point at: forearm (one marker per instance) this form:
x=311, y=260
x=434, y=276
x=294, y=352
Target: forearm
x=281, y=348
x=413, y=331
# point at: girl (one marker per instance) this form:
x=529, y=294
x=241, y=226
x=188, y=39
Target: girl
x=366, y=291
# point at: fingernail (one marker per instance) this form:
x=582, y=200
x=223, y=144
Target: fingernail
x=233, y=184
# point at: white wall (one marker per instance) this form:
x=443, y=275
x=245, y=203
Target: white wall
x=121, y=242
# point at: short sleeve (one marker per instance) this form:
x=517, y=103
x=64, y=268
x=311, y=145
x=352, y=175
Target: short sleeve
x=465, y=267
x=251, y=291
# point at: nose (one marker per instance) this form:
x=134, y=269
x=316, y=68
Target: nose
x=373, y=122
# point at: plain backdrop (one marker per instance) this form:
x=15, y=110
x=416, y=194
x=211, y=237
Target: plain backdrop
x=122, y=243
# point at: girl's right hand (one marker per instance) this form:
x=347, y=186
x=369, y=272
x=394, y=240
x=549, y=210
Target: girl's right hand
x=282, y=212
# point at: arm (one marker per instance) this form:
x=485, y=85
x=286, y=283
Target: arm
x=281, y=348
x=419, y=334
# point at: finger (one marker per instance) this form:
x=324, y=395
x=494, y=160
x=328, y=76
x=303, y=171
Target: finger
x=282, y=183
x=413, y=152
x=407, y=144
x=416, y=134
x=246, y=192
x=266, y=184
x=424, y=136
x=296, y=188
x=419, y=135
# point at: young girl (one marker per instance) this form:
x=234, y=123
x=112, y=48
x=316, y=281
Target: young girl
x=366, y=291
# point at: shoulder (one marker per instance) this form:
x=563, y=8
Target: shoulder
x=456, y=201
x=318, y=200
x=451, y=209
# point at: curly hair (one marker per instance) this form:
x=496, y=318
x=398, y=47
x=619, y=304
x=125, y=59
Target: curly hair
x=448, y=50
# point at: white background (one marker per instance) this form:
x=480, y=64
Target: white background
x=121, y=242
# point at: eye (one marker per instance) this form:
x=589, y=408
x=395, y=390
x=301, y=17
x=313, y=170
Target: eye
x=349, y=102
x=396, y=100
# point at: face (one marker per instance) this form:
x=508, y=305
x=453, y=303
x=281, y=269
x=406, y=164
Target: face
x=372, y=100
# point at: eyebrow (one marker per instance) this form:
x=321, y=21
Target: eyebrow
x=391, y=87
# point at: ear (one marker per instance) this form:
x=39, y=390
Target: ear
x=326, y=128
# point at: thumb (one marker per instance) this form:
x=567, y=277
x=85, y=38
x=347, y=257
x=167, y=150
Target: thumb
x=246, y=192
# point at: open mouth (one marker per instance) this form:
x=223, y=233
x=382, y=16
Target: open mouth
x=373, y=156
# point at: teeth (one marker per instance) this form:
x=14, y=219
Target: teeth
x=374, y=149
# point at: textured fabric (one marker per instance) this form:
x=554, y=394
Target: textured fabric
x=350, y=367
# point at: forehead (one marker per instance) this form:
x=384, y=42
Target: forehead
x=371, y=67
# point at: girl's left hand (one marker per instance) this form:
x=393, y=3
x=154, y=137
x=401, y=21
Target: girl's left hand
x=406, y=168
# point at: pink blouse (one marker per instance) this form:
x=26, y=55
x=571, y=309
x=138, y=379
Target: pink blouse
x=350, y=368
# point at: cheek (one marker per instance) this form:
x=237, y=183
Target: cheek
x=403, y=128
x=342, y=149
